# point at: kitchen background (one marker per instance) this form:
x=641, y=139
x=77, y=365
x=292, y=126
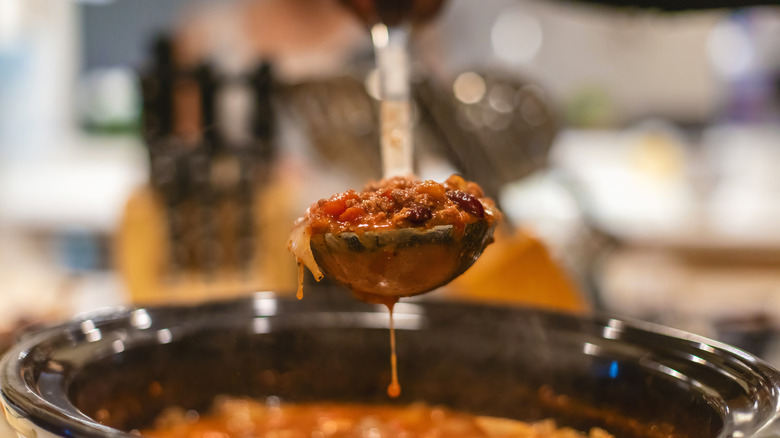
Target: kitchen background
x=641, y=148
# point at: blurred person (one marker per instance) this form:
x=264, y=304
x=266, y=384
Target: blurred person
x=302, y=38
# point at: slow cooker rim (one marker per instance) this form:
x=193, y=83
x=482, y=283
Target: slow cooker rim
x=15, y=392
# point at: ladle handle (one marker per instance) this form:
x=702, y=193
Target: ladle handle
x=392, y=60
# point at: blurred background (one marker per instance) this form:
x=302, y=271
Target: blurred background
x=159, y=151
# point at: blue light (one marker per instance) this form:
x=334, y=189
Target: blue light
x=613, y=369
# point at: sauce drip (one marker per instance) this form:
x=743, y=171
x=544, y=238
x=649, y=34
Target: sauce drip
x=394, y=389
x=299, y=294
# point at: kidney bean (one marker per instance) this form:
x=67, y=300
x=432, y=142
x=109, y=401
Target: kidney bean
x=467, y=202
x=418, y=214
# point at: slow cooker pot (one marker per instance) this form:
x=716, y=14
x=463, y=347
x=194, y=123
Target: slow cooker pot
x=108, y=373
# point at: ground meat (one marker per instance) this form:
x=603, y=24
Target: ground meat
x=401, y=202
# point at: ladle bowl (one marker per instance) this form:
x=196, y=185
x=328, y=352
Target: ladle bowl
x=400, y=262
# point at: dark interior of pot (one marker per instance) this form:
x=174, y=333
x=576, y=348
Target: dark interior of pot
x=124, y=391
x=514, y=363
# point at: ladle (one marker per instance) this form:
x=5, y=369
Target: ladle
x=383, y=265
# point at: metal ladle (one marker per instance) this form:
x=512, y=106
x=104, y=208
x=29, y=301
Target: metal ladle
x=383, y=265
